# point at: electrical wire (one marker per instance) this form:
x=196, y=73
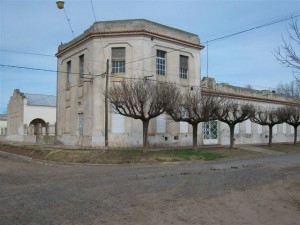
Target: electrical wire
x=53, y=95
x=46, y=55
x=69, y=22
x=47, y=70
x=232, y=30
x=93, y=10
x=226, y=36
x=115, y=75
x=207, y=41
x=212, y=40
x=155, y=81
x=27, y=53
x=253, y=28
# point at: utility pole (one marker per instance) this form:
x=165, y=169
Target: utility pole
x=207, y=59
x=106, y=106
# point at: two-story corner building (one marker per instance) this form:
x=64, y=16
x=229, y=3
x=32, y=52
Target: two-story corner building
x=135, y=49
x=30, y=114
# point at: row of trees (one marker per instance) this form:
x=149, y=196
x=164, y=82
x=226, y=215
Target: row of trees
x=145, y=100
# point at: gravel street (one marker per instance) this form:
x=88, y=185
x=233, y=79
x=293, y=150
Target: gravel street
x=258, y=190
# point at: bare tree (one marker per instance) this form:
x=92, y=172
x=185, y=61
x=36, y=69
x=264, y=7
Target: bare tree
x=141, y=99
x=291, y=89
x=231, y=114
x=292, y=114
x=288, y=53
x=270, y=118
x=194, y=108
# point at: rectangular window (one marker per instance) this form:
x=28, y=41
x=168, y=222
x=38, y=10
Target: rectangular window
x=118, y=60
x=69, y=72
x=183, y=67
x=160, y=62
x=67, y=120
x=284, y=128
x=117, y=123
x=210, y=132
x=248, y=126
x=183, y=127
x=161, y=123
x=80, y=127
x=259, y=129
x=275, y=129
x=292, y=129
x=81, y=66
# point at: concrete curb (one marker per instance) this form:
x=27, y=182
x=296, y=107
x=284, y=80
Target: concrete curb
x=15, y=156
x=261, y=150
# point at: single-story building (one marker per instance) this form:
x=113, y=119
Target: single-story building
x=30, y=115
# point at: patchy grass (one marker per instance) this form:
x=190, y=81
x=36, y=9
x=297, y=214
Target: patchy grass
x=197, y=154
x=123, y=156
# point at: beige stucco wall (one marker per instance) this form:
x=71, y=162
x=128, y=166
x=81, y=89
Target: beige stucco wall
x=15, y=114
x=89, y=99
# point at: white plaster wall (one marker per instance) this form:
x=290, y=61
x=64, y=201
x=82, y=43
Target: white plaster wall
x=255, y=137
x=3, y=123
x=47, y=113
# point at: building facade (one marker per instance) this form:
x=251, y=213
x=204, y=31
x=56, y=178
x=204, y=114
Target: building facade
x=134, y=49
x=247, y=132
x=3, y=124
x=144, y=49
x=30, y=114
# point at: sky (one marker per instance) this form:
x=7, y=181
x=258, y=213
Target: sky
x=37, y=27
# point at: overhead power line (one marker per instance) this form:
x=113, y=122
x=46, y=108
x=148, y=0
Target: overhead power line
x=69, y=22
x=46, y=70
x=253, y=28
x=91, y=75
x=27, y=53
x=211, y=40
x=226, y=36
x=93, y=10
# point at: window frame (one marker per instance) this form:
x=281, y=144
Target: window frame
x=161, y=62
x=183, y=70
x=118, y=64
x=81, y=66
x=69, y=68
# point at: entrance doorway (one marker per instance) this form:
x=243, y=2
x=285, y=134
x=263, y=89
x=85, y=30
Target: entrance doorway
x=38, y=129
x=210, y=132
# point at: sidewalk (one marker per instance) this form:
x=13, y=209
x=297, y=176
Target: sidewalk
x=259, y=149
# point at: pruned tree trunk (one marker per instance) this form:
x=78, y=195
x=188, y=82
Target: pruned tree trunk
x=145, y=134
x=295, y=134
x=231, y=128
x=195, y=134
x=270, y=136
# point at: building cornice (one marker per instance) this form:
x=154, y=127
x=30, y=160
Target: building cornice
x=247, y=97
x=93, y=34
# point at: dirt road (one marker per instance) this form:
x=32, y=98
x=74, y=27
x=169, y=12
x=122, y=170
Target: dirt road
x=263, y=190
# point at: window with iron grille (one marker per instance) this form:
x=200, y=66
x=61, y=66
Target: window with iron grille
x=118, y=60
x=210, y=130
x=183, y=67
x=160, y=62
